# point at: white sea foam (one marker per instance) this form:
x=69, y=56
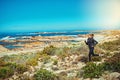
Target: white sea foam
x=8, y=38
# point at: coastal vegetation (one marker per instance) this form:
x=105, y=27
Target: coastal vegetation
x=93, y=70
x=111, y=45
x=20, y=63
x=8, y=69
x=113, y=63
x=43, y=74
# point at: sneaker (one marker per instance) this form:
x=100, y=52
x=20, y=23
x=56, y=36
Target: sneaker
x=95, y=55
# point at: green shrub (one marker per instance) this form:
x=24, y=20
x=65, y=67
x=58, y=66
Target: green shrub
x=114, y=67
x=2, y=62
x=12, y=66
x=45, y=58
x=8, y=69
x=43, y=74
x=113, y=63
x=21, y=68
x=55, y=62
x=6, y=72
x=111, y=45
x=50, y=50
x=61, y=53
x=17, y=67
x=32, y=62
x=92, y=70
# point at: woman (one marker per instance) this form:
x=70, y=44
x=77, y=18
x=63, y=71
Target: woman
x=91, y=42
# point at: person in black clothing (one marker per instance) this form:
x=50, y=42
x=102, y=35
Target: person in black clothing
x=91, y=42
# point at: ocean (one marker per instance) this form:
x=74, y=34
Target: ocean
x=18, y=35
x=21, y=35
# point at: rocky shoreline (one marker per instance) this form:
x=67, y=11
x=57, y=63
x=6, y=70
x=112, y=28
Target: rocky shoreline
x=39, y=42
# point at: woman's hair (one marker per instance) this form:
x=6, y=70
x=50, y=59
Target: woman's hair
x=91, y=34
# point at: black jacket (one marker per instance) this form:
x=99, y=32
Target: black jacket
x=91, y=42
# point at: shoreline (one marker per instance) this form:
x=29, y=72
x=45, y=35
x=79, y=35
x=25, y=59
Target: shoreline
x=39, y=46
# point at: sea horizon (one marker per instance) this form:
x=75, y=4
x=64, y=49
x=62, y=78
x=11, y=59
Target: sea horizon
x=43, y=33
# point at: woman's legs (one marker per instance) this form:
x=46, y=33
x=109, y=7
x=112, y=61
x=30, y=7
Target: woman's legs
x=91, y=52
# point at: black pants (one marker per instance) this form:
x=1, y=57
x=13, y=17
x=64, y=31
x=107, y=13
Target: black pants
x=91, y=52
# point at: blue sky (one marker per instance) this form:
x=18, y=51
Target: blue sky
x=45, y=15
